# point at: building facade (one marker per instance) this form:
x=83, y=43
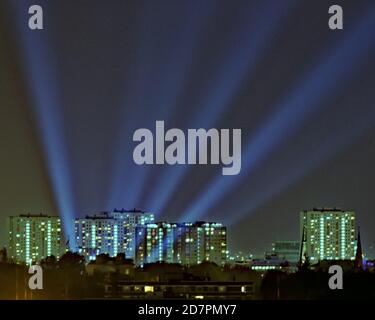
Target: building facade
x=184, y=243
x=238, y=290
x=329, y=234
x=34, y=237
x=109, y=232
x=129, y=220
x=154, y=242
x=287, y=250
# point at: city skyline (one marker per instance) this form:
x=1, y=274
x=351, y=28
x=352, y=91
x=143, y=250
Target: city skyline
x=187, y=261
x=73, y=94
x=325, y=234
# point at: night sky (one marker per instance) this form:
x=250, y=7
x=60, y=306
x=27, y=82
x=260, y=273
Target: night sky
x=72, y=95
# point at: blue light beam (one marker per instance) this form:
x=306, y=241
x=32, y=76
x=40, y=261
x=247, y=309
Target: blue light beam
x=164, y=74
x=242, y=54
x=37, y=61
x=330, y=147
x=294, y=109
